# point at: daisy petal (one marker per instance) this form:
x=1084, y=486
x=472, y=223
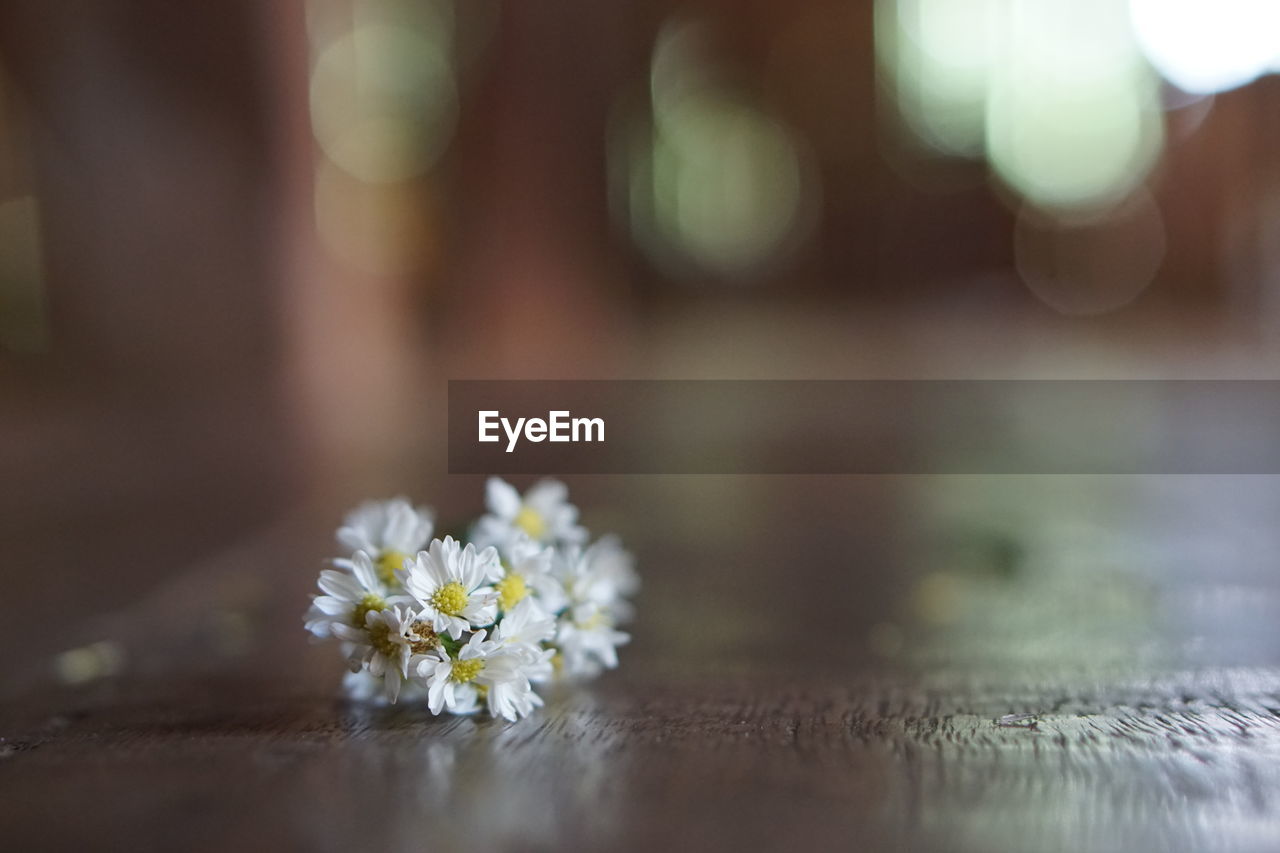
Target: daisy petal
x=501, y=498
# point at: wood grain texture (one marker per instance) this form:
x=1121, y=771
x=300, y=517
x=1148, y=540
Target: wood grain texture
x=1154, y=694
x=1189, y=762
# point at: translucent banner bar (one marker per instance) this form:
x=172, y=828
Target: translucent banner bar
x=864, y=427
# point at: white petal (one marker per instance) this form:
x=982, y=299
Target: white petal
x=355, y=540
x=392, y=682
x=362, y=568
x=331, y=606
x=501, y=498
x=480, y=613
x=340, y=585
x=488, y=565
x=435, y=695
x=348, y=633
x=545, y=496
x=401, y=522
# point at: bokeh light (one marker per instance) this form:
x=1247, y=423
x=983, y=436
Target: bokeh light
x=1208, y=46
x=936, y=58
x=1055, y=93
x=1072, y=117
x=711, y=180
x=383, y=100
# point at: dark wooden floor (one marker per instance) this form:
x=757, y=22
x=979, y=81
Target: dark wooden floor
x=819, y=662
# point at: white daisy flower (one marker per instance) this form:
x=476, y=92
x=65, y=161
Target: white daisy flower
x=588, y=641
x=601, y=574
x=527, y=624
x=450, y=681
x=606, y=575
x=508, y=674
x=390, y=532
x=543, y=513
x=464, y=625
x=523, y=631
x=452, y=585
x=594, y=582
x=349, y=595
x=482, y=669
x=528, y=571
x=385, y=644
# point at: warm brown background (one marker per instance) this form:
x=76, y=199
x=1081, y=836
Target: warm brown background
x=818, y=660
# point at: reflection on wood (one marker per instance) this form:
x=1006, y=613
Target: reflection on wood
x=759, y=760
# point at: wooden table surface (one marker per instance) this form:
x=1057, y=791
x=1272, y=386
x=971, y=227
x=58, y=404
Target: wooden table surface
x=818, y=662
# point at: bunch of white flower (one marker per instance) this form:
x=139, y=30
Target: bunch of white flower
x=525, y=601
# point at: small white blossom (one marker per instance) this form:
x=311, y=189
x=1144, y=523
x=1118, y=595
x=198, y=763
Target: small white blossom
x=588, y=640
x=350, y=592
x=383, y=646
x=523, y=631
x=450, y=681
x=508, y=675
x=452, y=585
x=527, y=571
x=543, y=514
x=601, y=574
x=390, y=532
x=464, y=625
x=606, y=575
x=527, y=624
x=482, y=668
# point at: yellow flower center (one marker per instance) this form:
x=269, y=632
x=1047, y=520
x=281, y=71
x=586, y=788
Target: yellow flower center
x=511, y=590
x=371, y=602
x=531, y=522
x=388, y=563
x=380, y=639
x=449, y=599
x=466, y=670
x=596, y=620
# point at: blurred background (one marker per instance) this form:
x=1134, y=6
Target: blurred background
x=243, y=246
